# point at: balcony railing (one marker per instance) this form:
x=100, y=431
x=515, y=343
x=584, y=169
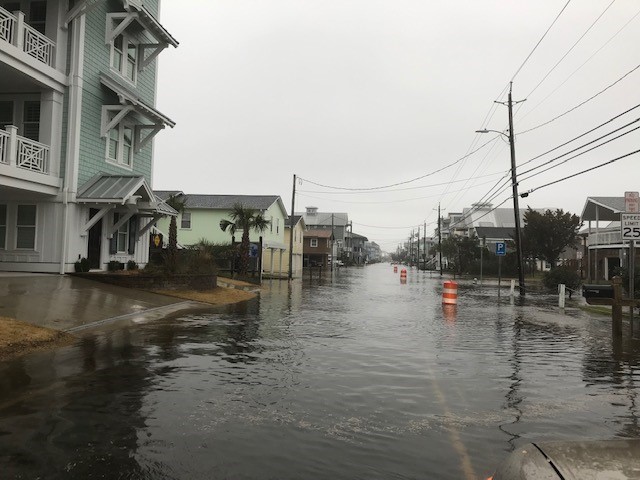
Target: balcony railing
x=23, y=152
x=15, y=31
x=605, y=238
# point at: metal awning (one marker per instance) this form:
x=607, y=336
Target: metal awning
x=116, y=189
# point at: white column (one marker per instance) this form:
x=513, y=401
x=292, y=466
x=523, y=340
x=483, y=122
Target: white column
x=18, y=39
x=51, y=127
x=12, y=144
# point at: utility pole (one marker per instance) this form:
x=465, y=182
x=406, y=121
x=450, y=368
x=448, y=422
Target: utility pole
x=418, y=246
x=333, y=260
x=514, y=185
x=440, y=238
x=424, y=246
x=292, y=226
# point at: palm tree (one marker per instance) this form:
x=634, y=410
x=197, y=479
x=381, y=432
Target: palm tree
x=245, y=219
x=178, y=203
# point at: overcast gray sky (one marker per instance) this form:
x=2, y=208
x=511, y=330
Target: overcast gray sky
x=368, y=93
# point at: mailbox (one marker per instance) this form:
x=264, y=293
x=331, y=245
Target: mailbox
x=597, y=291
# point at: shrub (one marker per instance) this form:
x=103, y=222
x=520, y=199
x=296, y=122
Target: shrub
x=558, y=275
x=132, y=265
x=82, y=265
x=114, y=265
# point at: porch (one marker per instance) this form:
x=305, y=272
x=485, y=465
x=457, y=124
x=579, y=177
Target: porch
x=15, y=31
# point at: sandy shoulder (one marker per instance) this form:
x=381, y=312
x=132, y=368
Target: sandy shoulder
x=217, y=296
x=17, y=338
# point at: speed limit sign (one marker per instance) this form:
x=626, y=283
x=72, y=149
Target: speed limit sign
x=630, y=224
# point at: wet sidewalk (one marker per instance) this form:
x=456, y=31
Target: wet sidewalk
x=64, y=302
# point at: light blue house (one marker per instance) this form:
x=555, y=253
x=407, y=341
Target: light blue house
x=77, y=122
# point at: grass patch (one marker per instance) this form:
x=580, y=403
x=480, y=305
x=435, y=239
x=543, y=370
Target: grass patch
x=18, y=338
x=217, y=296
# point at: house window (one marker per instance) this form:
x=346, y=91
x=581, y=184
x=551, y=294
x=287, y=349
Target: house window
x=277, y=225
x=124, y=57
x=120, y=144
x=185, y=222
x=271, y=224
x=3, y=227
x=313, y=242
x=6, y=114
x=122, y=242
x=38, y=15
x=26, y=227
x=31, y=120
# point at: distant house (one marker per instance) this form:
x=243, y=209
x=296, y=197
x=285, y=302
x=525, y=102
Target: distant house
x=373, y=252
x=356, y=245
x=298, y=244
x=337, y=222
x=200, y=220
x=317, y=248
x=604, y=249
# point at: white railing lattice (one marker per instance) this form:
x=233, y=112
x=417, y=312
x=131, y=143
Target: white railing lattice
x=38, y=46
x=32, y=155
x=7, y=25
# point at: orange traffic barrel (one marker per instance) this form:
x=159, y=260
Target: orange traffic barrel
x=450, y=293
x=403, y=275
x=395, y=269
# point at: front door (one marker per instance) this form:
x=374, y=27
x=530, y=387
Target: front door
x=95, y=241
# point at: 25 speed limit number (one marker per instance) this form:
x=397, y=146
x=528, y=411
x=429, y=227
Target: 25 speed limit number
x=630, y=223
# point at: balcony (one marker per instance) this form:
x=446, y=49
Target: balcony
x=610, y=237
x=15, y=31
x=22, y=152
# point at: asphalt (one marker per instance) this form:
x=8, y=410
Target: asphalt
x=68, y=303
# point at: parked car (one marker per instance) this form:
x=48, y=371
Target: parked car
x=588, y=460
x=339, y=263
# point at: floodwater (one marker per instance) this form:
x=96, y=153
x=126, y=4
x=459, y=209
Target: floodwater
x=351, y=377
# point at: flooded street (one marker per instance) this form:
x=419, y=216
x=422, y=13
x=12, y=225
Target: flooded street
x=352, y=377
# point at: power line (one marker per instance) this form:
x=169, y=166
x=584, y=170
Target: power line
x=525, y=194
x=581, y=66
x=580, y=136
x=583, y=103
x=580, y=147
x=399, y=189
x=406, y=181
x=540, y=41
x=571, y=49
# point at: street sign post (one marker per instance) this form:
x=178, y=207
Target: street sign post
x=501, y=251
x=630, y=230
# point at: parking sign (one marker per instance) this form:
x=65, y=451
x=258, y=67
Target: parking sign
x=501, y=248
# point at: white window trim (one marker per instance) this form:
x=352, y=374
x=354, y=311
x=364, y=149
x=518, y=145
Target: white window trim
x=120, y=128
x=313, y=241
x=182, y=220
x=124, y=229
x=126, y=41
x=35, y=228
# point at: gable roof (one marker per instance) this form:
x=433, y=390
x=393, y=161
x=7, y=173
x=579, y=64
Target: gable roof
x=225, y=202
x=295, y=219
x=604, y=208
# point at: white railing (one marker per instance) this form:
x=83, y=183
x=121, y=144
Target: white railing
x=4, y=144
x=7, y=25
x=38, y=46
x=605, y=238
x=15, y=31
x=23, y=152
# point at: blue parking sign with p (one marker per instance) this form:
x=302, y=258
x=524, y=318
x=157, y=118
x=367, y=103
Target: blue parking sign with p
x=501, y=248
